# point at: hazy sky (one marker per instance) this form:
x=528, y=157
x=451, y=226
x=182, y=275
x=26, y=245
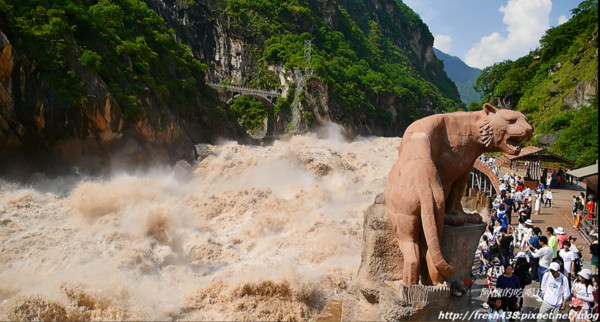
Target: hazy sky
x=483, y=32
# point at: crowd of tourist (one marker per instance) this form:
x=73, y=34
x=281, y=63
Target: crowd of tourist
x=489, y=161
x=514, y=255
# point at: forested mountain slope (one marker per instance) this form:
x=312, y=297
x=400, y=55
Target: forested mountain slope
x=84, y=79
x=463, y=76
x=372, y=67
x=556, y=86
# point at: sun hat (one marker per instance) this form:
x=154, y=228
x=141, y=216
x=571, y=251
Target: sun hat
x=560, y=231
x=585, y=273
x=520, y=255
x=577, y=302
x=529, y=222
x=594, y=234
x=555, y=266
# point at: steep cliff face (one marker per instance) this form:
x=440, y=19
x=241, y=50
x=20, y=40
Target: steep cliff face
x=41, y=129
x=235, y=54
x=126, y=85
x=37, y=126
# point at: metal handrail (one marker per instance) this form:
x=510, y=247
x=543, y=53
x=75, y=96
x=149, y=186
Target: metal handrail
x=587, y=225
x=244, y=89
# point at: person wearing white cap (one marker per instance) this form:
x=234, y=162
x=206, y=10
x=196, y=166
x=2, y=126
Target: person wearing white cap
x=583, y=288
x=555, y=292
x=561, y=236
x=527, y=233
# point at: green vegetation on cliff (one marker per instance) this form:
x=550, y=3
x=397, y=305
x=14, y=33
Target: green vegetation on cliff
x=360, y=53
x=128, y=45
x=555, y=86
x=250, y=112
x=371, y=62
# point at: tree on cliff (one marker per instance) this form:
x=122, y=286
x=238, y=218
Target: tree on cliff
x=555, y=86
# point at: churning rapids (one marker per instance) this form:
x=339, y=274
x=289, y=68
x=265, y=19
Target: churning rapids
x=249, y=233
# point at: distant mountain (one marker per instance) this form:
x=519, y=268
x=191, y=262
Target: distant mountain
x=463, y=75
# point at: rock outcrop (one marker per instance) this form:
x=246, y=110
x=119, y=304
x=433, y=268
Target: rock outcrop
x=41, y=131
x=584, y=91
x=381, y=256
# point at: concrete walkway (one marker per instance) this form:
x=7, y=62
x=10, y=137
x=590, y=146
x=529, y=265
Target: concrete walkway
x=557, y=216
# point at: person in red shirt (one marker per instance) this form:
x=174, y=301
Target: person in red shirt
x=519, y=187
x=589, y=207
x=561, y=236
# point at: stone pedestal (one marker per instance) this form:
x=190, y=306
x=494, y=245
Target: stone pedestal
x=377, y=293
x=396, y=302
x=381, y=259
x=459, y=244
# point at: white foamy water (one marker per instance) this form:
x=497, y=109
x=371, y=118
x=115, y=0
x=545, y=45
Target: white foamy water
x=250, y=233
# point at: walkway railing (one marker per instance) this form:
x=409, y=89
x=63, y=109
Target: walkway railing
x=588, y=222
x=244, y=90
x=490, y=184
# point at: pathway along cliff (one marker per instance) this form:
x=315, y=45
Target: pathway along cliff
x=249, y=233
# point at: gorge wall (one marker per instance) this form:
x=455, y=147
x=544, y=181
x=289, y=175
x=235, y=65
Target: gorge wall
x=235, y=55
x=74, y=96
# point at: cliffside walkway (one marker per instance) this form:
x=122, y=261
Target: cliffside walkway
x=230, y=92
x=484, y=179
x=557, y=216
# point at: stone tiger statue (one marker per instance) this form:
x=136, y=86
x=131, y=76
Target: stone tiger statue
x=425, y=185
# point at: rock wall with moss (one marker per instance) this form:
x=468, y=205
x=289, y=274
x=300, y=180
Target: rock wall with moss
x=85, y=80
x=372, y=66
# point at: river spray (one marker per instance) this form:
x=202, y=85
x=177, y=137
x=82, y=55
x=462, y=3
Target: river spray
x=250, y=233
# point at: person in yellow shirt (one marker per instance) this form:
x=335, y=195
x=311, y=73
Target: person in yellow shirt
x=552, y=240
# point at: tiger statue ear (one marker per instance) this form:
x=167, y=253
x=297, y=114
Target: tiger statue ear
x=489, y=109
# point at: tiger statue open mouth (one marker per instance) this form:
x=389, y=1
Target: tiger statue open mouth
x=425, y=185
